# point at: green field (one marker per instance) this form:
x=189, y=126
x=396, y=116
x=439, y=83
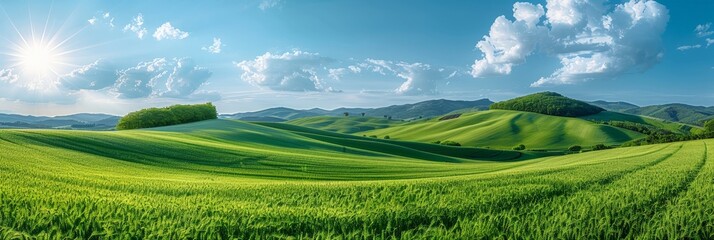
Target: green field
x=229, y=179
x=504, y=129
x=345, y=124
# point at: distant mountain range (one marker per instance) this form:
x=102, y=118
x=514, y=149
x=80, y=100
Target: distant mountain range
x=423, y=109
x=675, y=112
x=614, y=106
x=694, y=115
x=89, y=121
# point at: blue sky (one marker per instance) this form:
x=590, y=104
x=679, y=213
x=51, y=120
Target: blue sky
x=119, y=56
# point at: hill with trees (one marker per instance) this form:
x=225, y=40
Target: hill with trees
x=549, y=103
x=676, y=112
x=176, y=114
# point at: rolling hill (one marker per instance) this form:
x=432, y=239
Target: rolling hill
x=674, y=127
x=695, y=115
x=351, y=124
x=504, y=129
x=223, y=179
x=423, y=109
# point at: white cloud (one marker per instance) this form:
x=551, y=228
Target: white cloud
x=337, y=73
x=267, y=4
x=15, y=86
x=94, y=76
x=185, y=79
x=591, y=41
x=7, y=75
x=421, y=79
x=709, y=41
x=102, y=18
x=703, y=30
x=290, y=71
x=688, y=47
x=379, y=66
x=161, y=77
x=137, y=26
x=166, y=31
x=215, y=47
x=354, y=69
x=509, y=43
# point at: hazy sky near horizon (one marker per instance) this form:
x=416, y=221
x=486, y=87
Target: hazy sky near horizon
x=119, y=56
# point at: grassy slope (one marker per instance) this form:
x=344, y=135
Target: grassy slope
x=245, y=149
x=350, y=124
x=226, y=179
x=671, y=126
x=504, y=129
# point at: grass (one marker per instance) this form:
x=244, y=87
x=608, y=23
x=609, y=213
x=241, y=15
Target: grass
x=350, y=124
x=228, y=179
x=504, y=129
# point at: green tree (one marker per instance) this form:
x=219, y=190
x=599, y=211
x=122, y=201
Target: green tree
x=575, y=148
x=709, y=126
x=520, y=147
x=176, y=114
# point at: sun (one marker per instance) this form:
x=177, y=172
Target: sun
x=38, y=58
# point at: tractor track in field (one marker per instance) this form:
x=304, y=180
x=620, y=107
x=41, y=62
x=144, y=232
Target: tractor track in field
x=527, y=200
x=664, y=201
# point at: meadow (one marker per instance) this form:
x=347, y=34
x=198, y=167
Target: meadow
x=503, y=129
x=223, y=179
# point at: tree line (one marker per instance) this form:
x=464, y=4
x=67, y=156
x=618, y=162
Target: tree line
x=176, y=114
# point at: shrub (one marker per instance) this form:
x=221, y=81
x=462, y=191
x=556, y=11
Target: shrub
x=373, y=136
x=575, y=148
x=450, y=143
x=176, y=114
x=600, y=147
x=520, y=147
x=386, y=137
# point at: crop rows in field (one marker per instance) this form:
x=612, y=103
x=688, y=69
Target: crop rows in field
x=52, y=189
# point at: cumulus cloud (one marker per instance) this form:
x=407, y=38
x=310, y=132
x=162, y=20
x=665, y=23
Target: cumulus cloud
x=94, y=76
x=688, y=47
x=267, y=4
x=510, y=42
x=709, y=41
x=419, y=78
x=185, y=79
x=215, y=47
x=591, y=40
x=290, y=71
x=702, y=30
x=166, y=31
x=137, y=26
x=161, y=77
